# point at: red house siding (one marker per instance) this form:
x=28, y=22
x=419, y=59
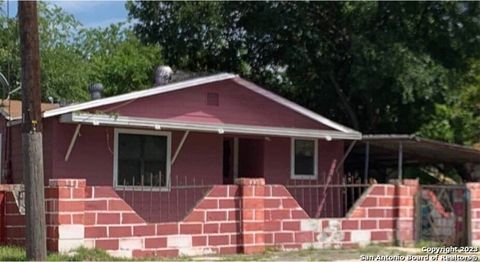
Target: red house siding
x=237, y=105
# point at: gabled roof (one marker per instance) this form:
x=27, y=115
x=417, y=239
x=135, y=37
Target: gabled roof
x=196, y=82
x=12, y=109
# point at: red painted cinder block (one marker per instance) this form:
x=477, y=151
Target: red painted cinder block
x=302, y=237
x=229, y=250
x=386, y=201
x=378, y=190
x=199, y=241
x=229, y=227
x=283, y=237
x=211, y=228
x=227, y=203
x=77, y=193
x=291, y=225
x=120, y=231
x=368, y=224
x=207, y=204
x=233, y=191
x=167, y=253
x=289, y=203
x=253, y=203
x=95, y=232
x=358, y=213
x=216, y=216
x=280, y=214
x=90, y=218
x=167, y=229
x=190, y=228
x=387, y=223
x=108, y=244
x=253, y=226
x=254, y=249
x=144, y=253
x=380, y=236
x=218, y=240
x=299, y=214
x=78, y=218
x=96, y=205
x=118, y=205
x=259, y=191
x=268, y=238
x=273, y=226
x=375, y=212
x=156, y=242
x=144, y=230
x=369, y=202
x=350, y=224
x=280, y=191
x=104, y=192
x=218, y=191
x=195, y=216
x=108, y=218
x=71, y=206
x=233, y=215
x=273, y=203
x=131, y=218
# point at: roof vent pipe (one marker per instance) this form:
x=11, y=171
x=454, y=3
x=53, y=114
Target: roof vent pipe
x=95, y=91
x=163, y=75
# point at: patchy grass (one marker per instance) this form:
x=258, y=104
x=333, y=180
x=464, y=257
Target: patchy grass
x=85, y=254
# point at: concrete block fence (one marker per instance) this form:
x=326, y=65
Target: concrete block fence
x=247, y=217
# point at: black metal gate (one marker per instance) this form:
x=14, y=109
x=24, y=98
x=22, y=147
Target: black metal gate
x=442, y=214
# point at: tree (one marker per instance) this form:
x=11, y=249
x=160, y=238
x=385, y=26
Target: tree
x=370, y=65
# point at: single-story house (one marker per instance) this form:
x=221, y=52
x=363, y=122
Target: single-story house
x=207, y=130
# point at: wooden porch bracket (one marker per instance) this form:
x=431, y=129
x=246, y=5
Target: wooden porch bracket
x=185, y=135
x=72, y=142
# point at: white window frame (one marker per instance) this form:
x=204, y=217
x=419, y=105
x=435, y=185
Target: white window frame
x=292, y=160
x=142, y=132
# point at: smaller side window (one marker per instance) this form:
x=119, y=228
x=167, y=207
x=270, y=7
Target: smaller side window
x=304, y=159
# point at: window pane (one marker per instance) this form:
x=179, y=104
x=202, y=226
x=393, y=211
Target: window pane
x=142, y=157
x=304, y=157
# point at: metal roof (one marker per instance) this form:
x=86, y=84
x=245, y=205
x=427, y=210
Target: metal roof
x=416, y=150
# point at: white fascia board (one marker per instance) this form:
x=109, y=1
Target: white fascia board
x=293, y=106
x=137, y=122
x=138, y=94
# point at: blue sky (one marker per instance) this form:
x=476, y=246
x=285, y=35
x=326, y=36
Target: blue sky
x=89, y=13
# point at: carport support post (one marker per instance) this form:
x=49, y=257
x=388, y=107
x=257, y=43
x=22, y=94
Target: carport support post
x=400, y=162
x=367, y=162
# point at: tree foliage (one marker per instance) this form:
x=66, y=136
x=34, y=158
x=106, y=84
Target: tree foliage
x=73, y=57
x=383, y=67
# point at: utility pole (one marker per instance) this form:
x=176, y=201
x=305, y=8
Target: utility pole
x=32, y=152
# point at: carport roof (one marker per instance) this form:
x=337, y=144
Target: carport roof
x=416, y=150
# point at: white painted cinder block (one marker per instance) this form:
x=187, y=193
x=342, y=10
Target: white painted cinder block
x=89, y=243
x=71, y=231
x=120, y=253
x=362, y=237
x=179, y=241
x=195, y=251
x=310, y=225
x=130, y=244
x=67, y=245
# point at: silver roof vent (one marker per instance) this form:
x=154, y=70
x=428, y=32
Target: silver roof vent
x=163, y=75
x=95, y=91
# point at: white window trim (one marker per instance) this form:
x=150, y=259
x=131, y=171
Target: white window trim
x=292, y=161
x=115, y=158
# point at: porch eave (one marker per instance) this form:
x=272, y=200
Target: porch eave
x=161, y=124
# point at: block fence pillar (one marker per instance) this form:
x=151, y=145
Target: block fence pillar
x=252, y=218
x=406, y=209
x=65, y=207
